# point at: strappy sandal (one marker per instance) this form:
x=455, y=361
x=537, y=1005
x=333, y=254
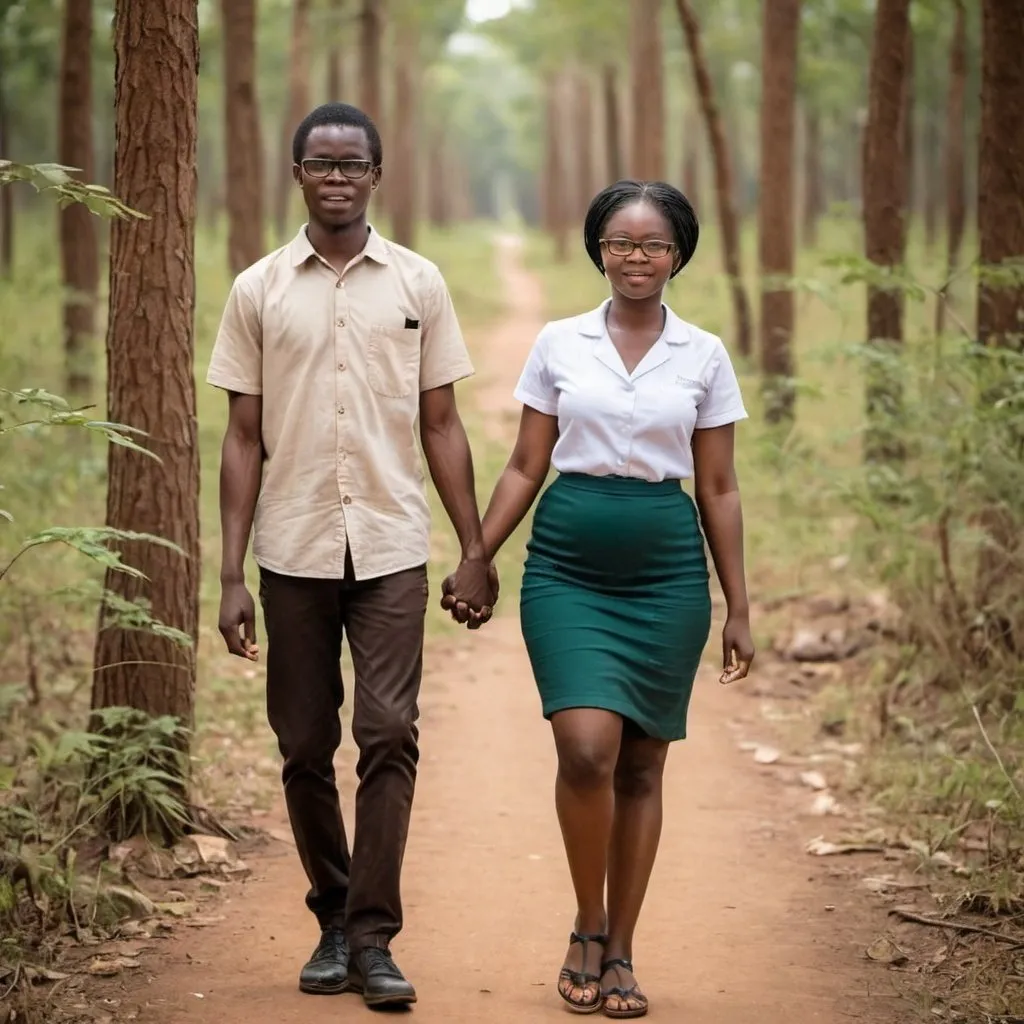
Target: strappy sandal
x=582, y=978
x=622, y=993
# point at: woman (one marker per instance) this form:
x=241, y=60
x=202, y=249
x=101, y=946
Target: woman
x=625, y=401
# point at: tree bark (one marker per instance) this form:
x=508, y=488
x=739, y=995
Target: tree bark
x=691, y=159
x=336, y=54
x=775, y=210
x=724, y=188
x=79, y=252
x=371, y=44
x=583, y=122
x=6, y=192
x=956, y=197
x=243, y=141
x=931, y=147
x=1001, y=174
x=813, y=177
x=612, y=123
x=150, y=354
x=556, y=216
x=885, y=191
x=907, y=128
x=296, y=110
x=403, y=177
x=647, y=151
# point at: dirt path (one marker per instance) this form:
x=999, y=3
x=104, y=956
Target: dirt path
x=735, y=931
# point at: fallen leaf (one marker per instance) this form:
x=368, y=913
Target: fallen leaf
x=766, y=755
x=885, y=951
x=34, y=973
x=820, y=847
x=825, y=804
x=106, y=967
x=176, y=909
x=814, y=780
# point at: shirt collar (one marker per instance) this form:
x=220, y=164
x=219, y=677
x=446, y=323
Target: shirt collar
x=301, y=249
x=594, y=325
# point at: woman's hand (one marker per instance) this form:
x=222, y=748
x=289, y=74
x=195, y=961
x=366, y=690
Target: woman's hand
x=471, y=592
x=737, y=649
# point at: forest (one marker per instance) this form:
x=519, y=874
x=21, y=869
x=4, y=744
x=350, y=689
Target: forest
x=857, y=167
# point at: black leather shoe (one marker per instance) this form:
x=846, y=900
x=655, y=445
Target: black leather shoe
x=326, y=974
x=376, y=975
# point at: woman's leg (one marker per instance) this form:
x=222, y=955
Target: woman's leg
x=634, y=844
x=587, y=742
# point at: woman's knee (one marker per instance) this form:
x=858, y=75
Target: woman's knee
x=640, y=767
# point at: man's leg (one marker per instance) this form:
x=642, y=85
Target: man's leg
x=304, y=694
x=384, y=619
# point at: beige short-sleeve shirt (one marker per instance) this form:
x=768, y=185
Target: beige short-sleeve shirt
x=340, y=361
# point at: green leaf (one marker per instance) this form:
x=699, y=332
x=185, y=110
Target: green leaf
x=92, y=542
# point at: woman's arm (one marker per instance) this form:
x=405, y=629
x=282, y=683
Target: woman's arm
x=522, y=478
x=516, y=490
x=718, y=500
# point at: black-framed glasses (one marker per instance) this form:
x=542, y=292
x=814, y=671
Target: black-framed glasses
x=653, y=248
x=320, y=167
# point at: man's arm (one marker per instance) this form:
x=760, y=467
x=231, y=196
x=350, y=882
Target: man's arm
x=241, y=470
x=450, y=462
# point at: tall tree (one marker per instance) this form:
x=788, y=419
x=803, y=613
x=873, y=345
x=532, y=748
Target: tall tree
x=371, y=48
x=296, y=109
x=1001, y=176
x=244, y=147
x=814, y=200
x=336, y=53
x=79, y=253
x=150, y=352
x=725, y=191
x=885, y=192
x=6, y=194
x=405, y=130
x=583, y=146
x=612, y=122
x=956, y=198
x=780, y=37
x=648, y=107
x=691, y=158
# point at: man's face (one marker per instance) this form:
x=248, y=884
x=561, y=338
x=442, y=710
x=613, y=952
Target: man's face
x=336, y=196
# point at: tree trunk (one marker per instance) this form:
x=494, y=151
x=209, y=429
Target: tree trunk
x=612, y=123
x=556, y=216
x=371, y=44
x=813, y=200
x=931, y=179
x=775, y=209
x=244, y=146
x=438, y=181
x=335, y=55
x=79, y=253
x=956, y=198
x=1001, y=174
x=150, y=353
x=295, y=111
x=404, y=177
x=583, y=122
x=908, y=136
x=647, y=151
x=724, y=188
x=691, y=159
x=885, y=189
x=6, y=193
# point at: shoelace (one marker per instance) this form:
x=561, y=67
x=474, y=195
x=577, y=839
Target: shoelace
x=380, y=961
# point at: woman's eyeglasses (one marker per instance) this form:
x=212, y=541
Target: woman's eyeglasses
x=318, y=167
x=653, y=248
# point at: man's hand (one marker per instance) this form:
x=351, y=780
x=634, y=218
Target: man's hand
x=237, y=621
x=471, y=592
x=737, y=649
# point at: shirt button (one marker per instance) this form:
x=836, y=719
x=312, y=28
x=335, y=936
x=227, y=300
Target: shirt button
x=341, y=410
x=341, y=323
x=346, y=500
x=340, y=285
x=341, y=366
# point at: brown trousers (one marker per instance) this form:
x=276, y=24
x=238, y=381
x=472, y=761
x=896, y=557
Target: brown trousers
x=305, y=622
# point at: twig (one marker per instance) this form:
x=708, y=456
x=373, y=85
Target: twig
x=995, y=754
x=956, y=926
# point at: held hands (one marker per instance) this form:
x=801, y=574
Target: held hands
x=737, y=649
x=237, y=621
x=471, y=592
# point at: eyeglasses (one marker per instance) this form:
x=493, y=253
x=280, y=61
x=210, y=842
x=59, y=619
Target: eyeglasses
x=318, y=167
x=653, y=248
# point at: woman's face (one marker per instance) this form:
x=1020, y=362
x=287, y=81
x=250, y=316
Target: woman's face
x=638, y=275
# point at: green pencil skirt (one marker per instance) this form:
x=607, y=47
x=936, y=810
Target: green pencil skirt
x=615, y=607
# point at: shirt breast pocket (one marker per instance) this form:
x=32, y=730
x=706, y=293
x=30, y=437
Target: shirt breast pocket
x=393, y=360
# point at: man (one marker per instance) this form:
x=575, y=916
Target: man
x=329, y=349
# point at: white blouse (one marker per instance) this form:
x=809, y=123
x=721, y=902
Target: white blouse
x=639, y=424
